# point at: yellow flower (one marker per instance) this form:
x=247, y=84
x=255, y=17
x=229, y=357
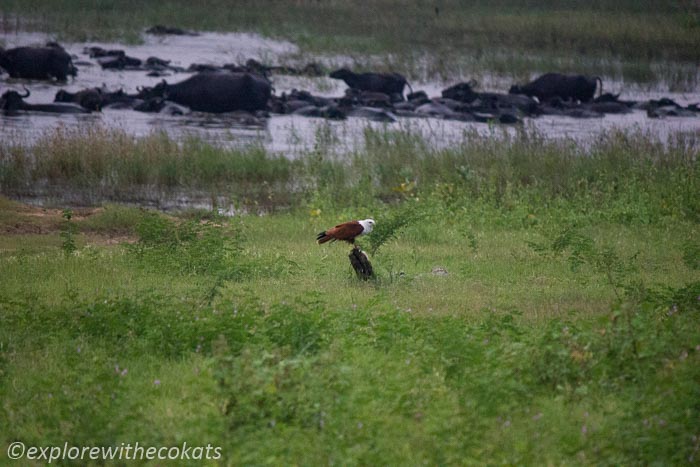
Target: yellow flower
x=405, y=187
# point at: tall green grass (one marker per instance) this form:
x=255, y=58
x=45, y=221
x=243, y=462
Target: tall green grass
x=109, y=164
x=625, y=177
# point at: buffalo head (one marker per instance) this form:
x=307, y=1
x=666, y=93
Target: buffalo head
x=342, y=73
x=608, y=97
x=159, y=90
x=63, y=96
x=12, y=101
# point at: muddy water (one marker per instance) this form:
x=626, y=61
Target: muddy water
x=289, y=135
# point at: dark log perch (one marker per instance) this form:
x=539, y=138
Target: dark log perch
x=360, y=263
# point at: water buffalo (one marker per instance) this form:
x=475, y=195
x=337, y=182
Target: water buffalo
x=47, y=62
x=499, y=102
x=437, y=109
x=90, y=99
x=462, y=92
x=161, y=106
x=318, y=101
x=567, y=87
x=355, y=97
x=215, y=92
x=666, y=107
x=99, y=98
x=203, y=68
x=119, y=99
x=609, y=107
x=387, y=83
x=99, y=52
x=418, y=98
x=330, y=112
x=161, y=30
x=373, y=114
x=119, y=62
x=11, y=102
x=567, y=108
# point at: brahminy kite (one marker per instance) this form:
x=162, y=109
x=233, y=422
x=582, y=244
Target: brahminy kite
x=346, y=231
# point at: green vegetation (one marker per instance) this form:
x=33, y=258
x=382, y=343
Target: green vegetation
x=621, y=177
x=637, y=41
x=536, y=302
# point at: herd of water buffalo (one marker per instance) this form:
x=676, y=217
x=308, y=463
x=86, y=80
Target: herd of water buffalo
x=247, y=89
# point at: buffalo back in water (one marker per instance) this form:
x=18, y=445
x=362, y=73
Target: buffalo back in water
x=218, y=92
x=37, y=62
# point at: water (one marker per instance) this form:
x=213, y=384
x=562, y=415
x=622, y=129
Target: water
x=288, y=135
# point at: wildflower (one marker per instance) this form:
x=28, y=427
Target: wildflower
x=672, y=311
x=156, y=382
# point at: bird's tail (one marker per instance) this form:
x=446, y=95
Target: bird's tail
x=323, y=238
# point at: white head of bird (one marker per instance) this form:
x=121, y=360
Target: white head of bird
x=367, y=226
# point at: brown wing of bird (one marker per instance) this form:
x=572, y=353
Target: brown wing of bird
x=345, y=232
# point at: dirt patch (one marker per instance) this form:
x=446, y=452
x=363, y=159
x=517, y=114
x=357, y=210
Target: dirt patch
x=24, y=219
x=19, y=219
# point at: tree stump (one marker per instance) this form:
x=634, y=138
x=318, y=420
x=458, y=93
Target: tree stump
x=360, y=263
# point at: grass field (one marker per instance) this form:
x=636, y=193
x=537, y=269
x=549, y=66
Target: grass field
x=534, y=303
x=632, y=41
